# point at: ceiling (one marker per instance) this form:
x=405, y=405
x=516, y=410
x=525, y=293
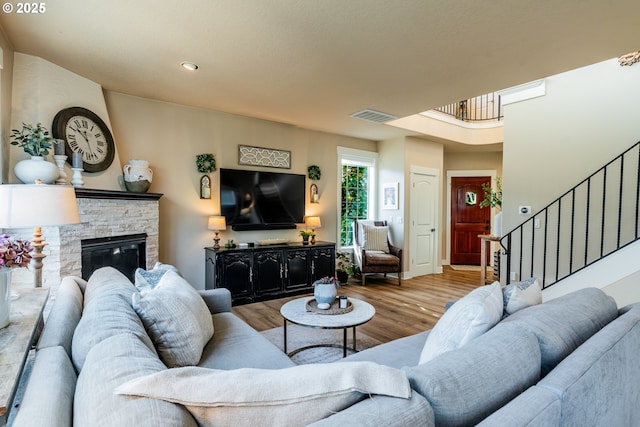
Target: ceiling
x=313, y=63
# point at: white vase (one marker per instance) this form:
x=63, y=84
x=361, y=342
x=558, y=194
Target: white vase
x=325, y=293
x=36, y=168
x=497, y=225
x=5, y=296
x=137, y=176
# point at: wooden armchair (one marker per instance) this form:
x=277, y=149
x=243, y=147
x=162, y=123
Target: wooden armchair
x=373, y=252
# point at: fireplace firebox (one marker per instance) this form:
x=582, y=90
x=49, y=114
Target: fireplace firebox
x=124, y=253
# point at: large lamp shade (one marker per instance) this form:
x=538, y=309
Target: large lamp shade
x=37, y=205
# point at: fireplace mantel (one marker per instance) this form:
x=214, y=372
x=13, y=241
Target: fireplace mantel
x=91, y=193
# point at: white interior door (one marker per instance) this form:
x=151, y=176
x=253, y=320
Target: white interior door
x=422, y=229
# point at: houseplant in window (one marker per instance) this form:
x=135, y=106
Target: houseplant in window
x=35, y=141
x=493, y=199
x=14, y=253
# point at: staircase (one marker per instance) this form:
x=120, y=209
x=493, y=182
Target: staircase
x=596, y=219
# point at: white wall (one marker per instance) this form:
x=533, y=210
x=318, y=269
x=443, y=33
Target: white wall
x=6, y=70
x=391, y=170
x=40, y=90
x=587, y=117
x=169, y=136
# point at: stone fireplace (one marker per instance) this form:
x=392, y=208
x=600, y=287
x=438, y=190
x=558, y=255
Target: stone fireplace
x=104, y=215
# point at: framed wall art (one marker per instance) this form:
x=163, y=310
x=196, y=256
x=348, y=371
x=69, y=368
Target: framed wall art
x=390, y=196
x=258, y=156
x=205, y=187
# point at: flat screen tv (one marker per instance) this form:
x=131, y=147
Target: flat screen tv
x=256, y=200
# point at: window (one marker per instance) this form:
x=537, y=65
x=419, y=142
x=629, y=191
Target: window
x=357, y=190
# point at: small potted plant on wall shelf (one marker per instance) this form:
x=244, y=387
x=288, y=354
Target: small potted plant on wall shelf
x=314, y=173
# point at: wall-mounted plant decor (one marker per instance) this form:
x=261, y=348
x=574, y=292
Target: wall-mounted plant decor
x=205, y=163
x=258, y=156
x=314, y=172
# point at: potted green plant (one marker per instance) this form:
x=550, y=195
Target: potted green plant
x=493, y=199
x=345, y=267
x=35, y=141
x=305, y=236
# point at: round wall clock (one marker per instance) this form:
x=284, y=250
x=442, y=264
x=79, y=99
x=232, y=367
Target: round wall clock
x=84, y=132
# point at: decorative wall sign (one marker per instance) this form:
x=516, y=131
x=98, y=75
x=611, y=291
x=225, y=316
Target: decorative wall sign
x=258, y=156
x=390, y=196
x=471, y=198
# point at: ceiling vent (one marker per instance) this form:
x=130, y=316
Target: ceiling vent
x=373, y=116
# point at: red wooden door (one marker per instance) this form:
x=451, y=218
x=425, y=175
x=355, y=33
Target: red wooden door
x=468, y=219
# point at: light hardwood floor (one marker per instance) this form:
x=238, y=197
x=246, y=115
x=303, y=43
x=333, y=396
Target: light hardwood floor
x=400, y=310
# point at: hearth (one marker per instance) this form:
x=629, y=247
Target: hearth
x=124, y=253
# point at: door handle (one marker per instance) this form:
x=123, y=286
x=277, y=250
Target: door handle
x=433, y=230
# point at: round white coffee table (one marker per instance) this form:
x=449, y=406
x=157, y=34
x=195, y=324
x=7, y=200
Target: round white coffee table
x=295, y=311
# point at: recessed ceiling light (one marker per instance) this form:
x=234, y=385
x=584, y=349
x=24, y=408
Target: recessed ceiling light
x=189, y=65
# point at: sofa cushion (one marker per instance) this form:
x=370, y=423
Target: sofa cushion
x=293, y=396
x=465, y=385
x=397, y=353
x=379, y=411
x=49, y=394
x=598, y=382
x=468, y=318
x=64, y=316
x=105, y=281
x=177, y=319
x=536, y=407
x=564, y=323
x=109, y=364
x=523, y=294
x=149, y=279
x=228, y=347
x=106, y=315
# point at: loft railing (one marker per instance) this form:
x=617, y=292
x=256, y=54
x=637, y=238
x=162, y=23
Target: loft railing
x=481, y=108
x=594, y=219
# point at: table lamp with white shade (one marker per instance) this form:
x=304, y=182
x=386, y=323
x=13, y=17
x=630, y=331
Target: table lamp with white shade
x=37, y=205
x=313, y=222
x=217, y=223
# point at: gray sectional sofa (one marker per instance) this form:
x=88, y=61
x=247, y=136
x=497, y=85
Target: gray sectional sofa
x=570, y=361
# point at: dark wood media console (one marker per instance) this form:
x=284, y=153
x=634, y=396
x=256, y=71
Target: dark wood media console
x=261, y=273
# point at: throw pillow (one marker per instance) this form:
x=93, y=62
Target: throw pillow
x=519, y=295
x=375, y=238
x=148, y=279
x=295, y=396
x=176, y=318
x=470, y=317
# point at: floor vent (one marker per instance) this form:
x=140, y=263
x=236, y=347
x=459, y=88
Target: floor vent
x=373, y=116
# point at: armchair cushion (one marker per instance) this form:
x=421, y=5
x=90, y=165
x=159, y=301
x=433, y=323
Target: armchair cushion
x=375, y=238
x=382, y=259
